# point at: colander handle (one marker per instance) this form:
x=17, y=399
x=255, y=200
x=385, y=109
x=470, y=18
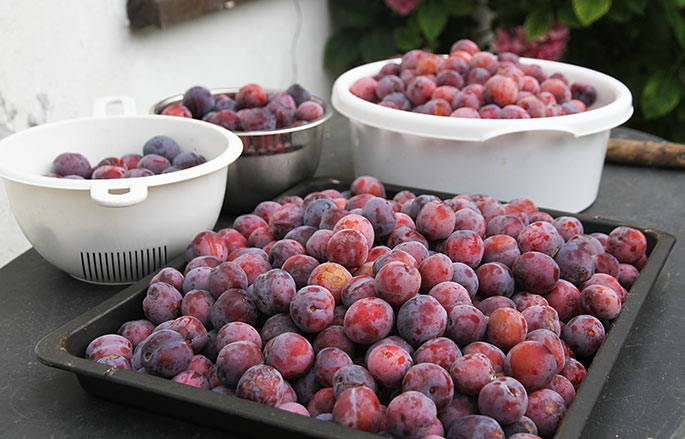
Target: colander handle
x=100, y=194
x=100, y=105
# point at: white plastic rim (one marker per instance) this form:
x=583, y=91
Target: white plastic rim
x=11, y=166
x=115, y=231
x=556, y=162
x=612, y=108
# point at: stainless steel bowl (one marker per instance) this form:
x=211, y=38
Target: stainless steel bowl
x=271, y=162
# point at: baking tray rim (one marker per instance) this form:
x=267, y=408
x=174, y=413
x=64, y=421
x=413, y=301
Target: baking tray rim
x=52, y=350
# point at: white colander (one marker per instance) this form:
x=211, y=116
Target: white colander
x=114, y=231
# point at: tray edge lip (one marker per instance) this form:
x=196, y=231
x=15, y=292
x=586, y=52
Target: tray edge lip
x=599, y=372
x=51, y=349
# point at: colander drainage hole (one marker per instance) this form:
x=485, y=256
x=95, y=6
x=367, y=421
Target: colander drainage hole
x=128, y=265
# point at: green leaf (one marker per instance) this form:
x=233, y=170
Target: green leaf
x=432, y=19
x=353, y=12
x=589, y=11
x=637, y=6
x=619, y=12
x=681, y=112
x=660, y=47
x=538, y=23
x=342, y=49
x=567, y=16
x=432, y=45
x=660, y=95
x=458, y=8
x=377, y=44
x=407, y=38
x=675, y=20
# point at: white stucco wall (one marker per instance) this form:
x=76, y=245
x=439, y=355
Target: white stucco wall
x=57, y=56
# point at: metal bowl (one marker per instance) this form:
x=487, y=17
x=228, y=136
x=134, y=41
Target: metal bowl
x=271, y=162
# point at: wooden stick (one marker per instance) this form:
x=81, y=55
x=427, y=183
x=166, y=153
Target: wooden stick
x=646, y=153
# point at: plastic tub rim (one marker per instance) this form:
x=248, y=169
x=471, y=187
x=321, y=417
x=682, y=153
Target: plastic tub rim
x=593, y=121
x=229, y=155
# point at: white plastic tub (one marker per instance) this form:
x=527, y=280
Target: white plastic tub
x=119, y=230
x=556, y=162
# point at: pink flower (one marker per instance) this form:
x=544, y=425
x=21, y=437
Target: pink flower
x=402, y=7
x=550, y=46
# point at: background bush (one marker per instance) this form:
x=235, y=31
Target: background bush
x=639, y=42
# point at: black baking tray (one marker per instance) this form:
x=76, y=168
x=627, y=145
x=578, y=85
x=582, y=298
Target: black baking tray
x=64, y=348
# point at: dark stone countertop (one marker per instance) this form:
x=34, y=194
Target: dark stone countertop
x=644, y=396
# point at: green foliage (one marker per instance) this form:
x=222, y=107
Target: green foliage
x=459, y=8
x=368, y=30
x=377, y=44
x=432, y=19
x=639, y=42
x=661, y=94
x=674, y=16
x=342, y=49
x=538, y=23
x=589, y=11
x=637, y=6
x=407, y=37
x=567, y=15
